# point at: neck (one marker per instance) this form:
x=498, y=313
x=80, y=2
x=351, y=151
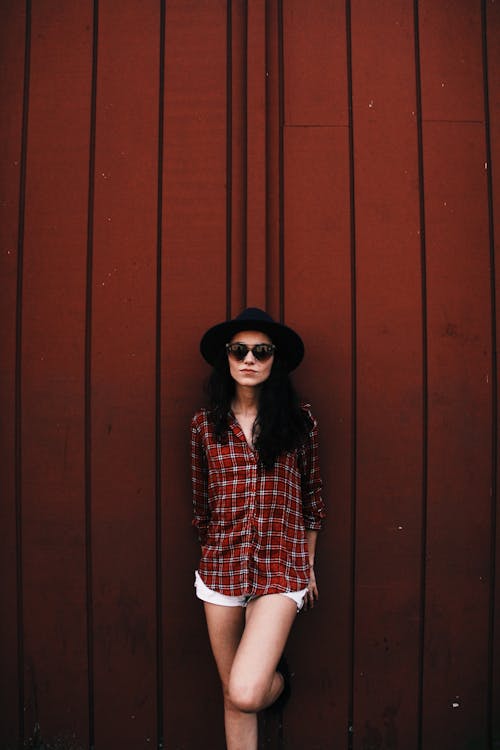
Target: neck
x=246, y=400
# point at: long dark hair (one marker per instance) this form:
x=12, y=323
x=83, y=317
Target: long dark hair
x=281, y=424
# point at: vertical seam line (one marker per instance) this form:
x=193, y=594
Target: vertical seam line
x=18, y=376
x=281, y=160
x=229, y=156
x=244, y=143
x=352, y=200
x=88, y=382
x=494, y=372
x=267, y=152
x=158, y=464
x=425, y=376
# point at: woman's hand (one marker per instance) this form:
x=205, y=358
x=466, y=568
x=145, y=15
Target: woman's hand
x=312, y=594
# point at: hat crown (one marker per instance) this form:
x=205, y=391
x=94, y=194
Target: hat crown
x=254, y=313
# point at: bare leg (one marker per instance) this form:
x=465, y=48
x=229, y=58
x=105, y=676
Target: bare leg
x=225, y=628
x=254, y=683
x=247, y=645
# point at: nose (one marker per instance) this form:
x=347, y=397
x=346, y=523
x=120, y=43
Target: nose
x=249, y=357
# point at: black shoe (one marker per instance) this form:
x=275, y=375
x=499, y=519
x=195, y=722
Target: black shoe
x=283, y=698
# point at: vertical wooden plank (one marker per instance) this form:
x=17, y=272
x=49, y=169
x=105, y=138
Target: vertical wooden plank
x=389, y=378
x=492, y=39
x=53, y=335
x=123, y=374
x=459, y=355
x=315, y=63
x=236, y=104
x=274, y=157
x=12, y=46
x=318, y=304
x=193, y=298
x=256, y=154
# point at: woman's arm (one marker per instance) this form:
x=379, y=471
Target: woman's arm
x=199, y=481
x=312, y=537
x=312, y=589
x=313, y=507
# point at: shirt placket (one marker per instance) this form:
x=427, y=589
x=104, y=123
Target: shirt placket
x=251, y=523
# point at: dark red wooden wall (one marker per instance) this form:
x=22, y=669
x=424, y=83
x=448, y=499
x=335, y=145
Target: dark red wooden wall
x=163, y=165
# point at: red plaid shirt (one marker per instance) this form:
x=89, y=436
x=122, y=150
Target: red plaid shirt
x=251, y=521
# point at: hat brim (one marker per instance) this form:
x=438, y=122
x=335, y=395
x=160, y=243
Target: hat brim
x=289, y=345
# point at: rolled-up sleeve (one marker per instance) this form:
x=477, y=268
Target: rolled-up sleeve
x=313, y=507
x=199, y=481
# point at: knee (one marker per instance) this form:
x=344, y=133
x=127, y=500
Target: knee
x=245, y=695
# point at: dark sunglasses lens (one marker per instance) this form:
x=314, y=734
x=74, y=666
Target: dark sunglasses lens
x=239, y=351
x=262, y=352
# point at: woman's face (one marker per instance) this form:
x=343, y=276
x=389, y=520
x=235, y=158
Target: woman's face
x=250, y=371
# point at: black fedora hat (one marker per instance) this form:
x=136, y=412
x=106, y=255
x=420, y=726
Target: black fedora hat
x=289, y=345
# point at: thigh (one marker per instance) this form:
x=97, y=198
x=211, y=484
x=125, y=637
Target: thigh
x=225, y=629
x=268, y=622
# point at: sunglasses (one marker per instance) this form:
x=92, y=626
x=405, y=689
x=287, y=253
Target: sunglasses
x=261, y=352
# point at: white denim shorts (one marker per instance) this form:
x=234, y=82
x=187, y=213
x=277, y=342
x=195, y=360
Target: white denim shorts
x=209, y=595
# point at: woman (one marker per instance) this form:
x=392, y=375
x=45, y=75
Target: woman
x=258, y=510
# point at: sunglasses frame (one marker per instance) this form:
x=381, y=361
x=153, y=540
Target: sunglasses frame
x=268, y=354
